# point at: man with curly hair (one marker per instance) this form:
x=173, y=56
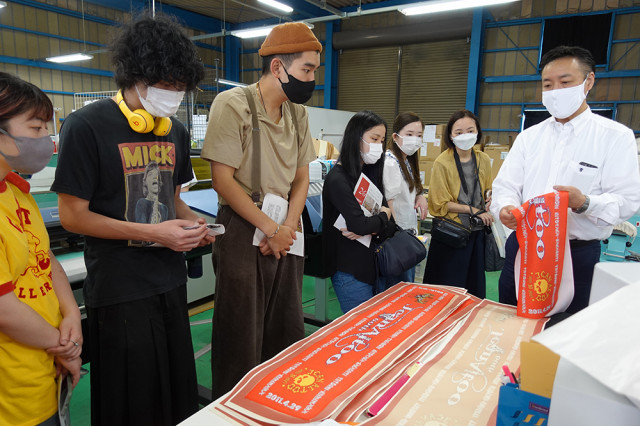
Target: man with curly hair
x=258, y=301
x=142, y=365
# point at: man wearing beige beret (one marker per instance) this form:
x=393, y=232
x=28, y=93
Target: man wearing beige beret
x=258, y=310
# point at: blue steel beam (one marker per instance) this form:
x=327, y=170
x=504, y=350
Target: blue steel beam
x=232, y=46
x=329, y=58
x=53, y=66
x=474, y=60
x=188, y=18
x=322, y=13
x=48, y=35
x=63, y=11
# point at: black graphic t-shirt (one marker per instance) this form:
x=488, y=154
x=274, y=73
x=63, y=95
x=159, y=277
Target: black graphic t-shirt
x=126, y=176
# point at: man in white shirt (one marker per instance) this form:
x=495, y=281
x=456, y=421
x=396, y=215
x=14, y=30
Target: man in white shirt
x=591, y=157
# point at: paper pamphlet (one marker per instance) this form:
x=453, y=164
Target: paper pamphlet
x=277, y=208
x=214, y=229
x=365, y=240
x=64, y=398
x=368, y=196
x=370, y=199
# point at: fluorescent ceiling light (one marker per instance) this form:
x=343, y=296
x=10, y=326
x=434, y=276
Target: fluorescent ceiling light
x=444, y=5
x=253, y=32
x=277, y=5
x=74, y=57
x=230, y=83
x=2, y=4
x=259, y=32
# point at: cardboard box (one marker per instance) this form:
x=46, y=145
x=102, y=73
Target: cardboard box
x=538, y=367
x=425, y=171
x=497, y=154
x=432, y=141
x=325, y=149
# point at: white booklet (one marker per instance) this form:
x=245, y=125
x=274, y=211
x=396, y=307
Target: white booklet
x=214, y=229
x=365, y=240
x=65, y=390
x=277, y=208
x=370, y=199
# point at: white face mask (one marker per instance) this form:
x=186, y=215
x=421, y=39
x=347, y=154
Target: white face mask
x=562, y=103
x=161, y=102
x=375, y=151
x=465, y=141
x=410, y=144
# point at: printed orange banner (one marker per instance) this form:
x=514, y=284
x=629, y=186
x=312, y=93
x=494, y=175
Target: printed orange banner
x=460, y=385
x=312, y=378
x=367, y=396
x=541, y=233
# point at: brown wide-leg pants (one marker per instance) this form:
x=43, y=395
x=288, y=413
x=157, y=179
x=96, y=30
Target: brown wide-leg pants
x=258, y=303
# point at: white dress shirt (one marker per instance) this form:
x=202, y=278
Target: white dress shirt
x=590, y=152
x=396, y=189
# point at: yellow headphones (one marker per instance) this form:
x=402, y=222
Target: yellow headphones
x=141, y=121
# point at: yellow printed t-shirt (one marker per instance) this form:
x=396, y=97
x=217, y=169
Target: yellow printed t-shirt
x=229, y=141
x=27, y=375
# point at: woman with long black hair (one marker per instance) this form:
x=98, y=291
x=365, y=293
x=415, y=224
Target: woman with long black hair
x=351, y=263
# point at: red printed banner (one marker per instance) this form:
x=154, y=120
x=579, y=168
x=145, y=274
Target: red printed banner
x=541, y=233
x=309, y=381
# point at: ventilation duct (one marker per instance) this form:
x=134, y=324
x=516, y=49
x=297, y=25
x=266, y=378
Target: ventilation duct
x=435, y=30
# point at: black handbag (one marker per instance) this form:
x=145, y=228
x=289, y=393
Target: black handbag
x=449, y=232
x=398, y=253
x=492, y=260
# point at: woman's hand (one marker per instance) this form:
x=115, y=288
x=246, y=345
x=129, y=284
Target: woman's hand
x=487, y=218
x=350, y=235
x=65, y=367
x=386, y=210
x=71, y=339
x=421, y=203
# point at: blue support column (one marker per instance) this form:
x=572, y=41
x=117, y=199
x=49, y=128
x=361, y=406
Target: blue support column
x=232, y=46
x=475, y=50
x=331, y=67
x=329, y=78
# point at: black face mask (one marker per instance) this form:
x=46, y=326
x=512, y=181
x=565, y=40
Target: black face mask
x=297, y=91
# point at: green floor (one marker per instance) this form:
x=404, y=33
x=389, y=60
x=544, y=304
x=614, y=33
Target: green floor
x=201, y=335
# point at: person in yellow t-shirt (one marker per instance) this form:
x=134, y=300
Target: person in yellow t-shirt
x=40, y=330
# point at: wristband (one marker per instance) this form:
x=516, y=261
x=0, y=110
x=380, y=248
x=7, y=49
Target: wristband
x=274, y=233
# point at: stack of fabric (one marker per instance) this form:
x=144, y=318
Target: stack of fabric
x=412, y=354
